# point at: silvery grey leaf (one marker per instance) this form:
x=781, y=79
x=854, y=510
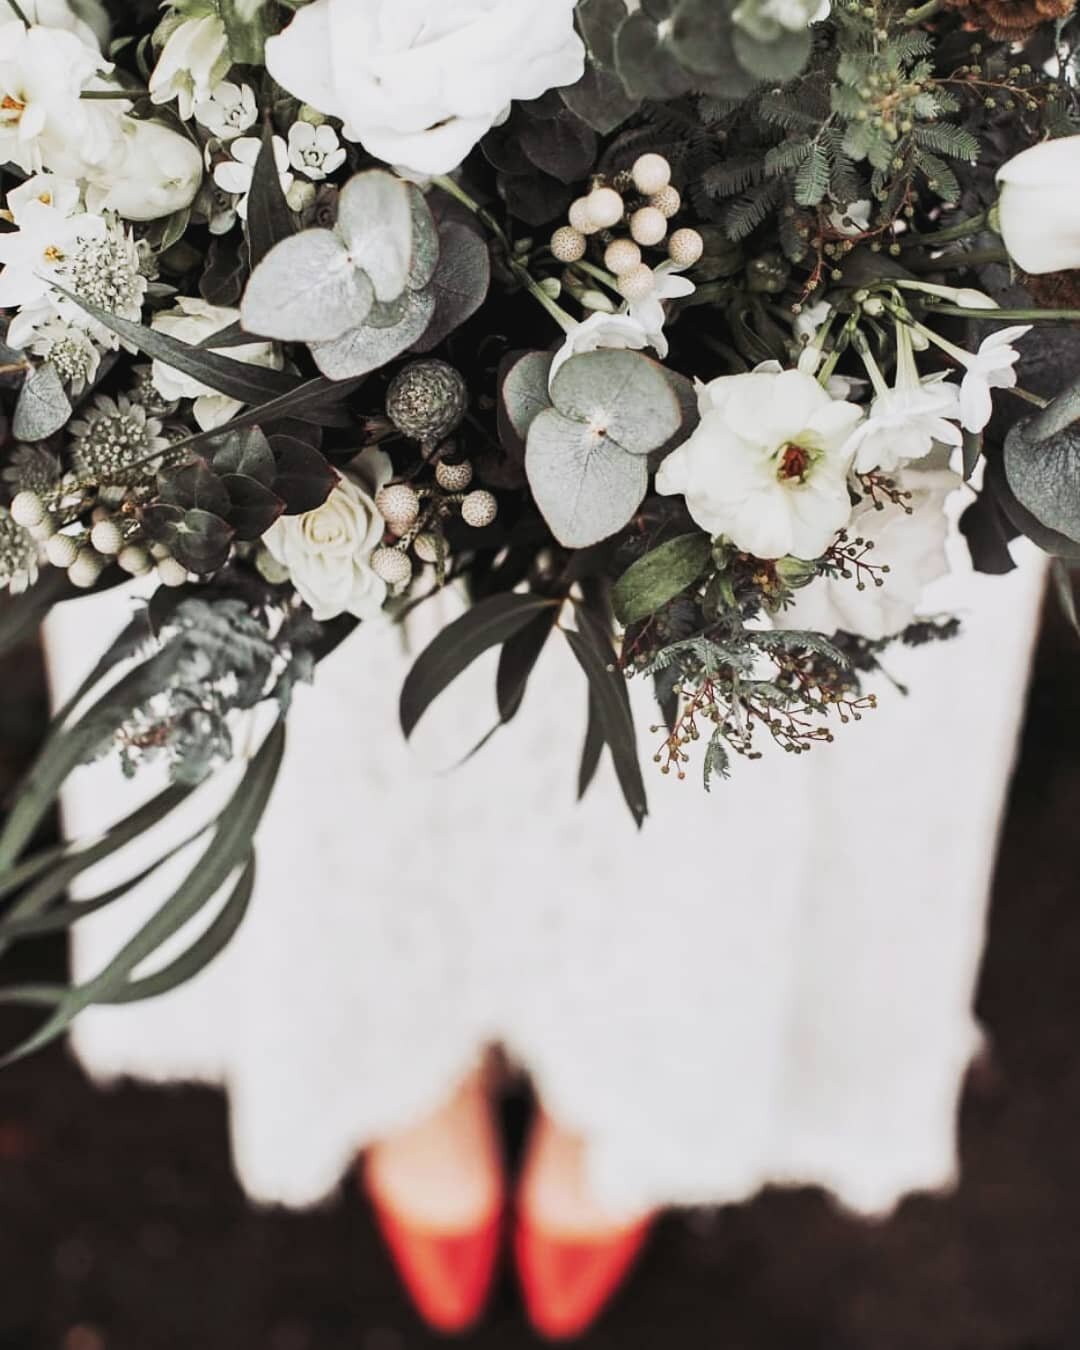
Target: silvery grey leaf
x=306, y=289
x=375, y=222
x=623, y=393
x=43, y=406
x=363, y=349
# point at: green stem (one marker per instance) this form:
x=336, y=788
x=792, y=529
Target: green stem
x=111, y=93
x=921, y=12
x=18, y=12
x=976, y=258
x=963, y=229
x=1029, y=397
x=480, y=212
x=598, y=274
x=1021, y=315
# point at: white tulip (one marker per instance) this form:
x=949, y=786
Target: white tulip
x=1039, y=208
x=154, y=172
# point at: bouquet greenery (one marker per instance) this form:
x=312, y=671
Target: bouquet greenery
x=663, y=329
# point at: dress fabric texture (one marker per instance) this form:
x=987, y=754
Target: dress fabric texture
x=771, y=983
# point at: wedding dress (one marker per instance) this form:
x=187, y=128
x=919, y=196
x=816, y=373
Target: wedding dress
x=771, y=983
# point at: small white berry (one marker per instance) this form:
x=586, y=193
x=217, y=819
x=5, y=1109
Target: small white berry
x=568, y=244
x=107, y=537
x=648, y=225
x=685, y=247
x=27, y=509
x=135, y=560
x=44, y=529
x=606, y=208
x=453, y=477
x=86, y=569
x=399, y=506
x=579, y=216
x=479, y=509
x=667, y=201
x=61, y=550
x=620, y=255
x=171, y=573
x=650, y=173
x=638, y=283
x=393, y=566
x=426, y=547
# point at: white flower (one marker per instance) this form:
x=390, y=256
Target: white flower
x=991, y=367
x=191, y=321
x=90, y=24
x=315, y=151
x=854, y=219
x=328, y=551
x=44, y=123
x=809, y=319
x=418, y=83
x=912, y=547
x=71, y=350
x=51, y=231
x=192, y=62
x=235, y=175
x=906, y=420
x=767, y=465
x=228, y=110
x=649, y=313
x=600, y=330
x=153, y=172
x=1039, y=208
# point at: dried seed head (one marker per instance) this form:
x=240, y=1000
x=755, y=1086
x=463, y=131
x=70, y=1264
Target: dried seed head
x=621, y=255
x=650, y=173
x=479, y=509
x=648, y=226
x=568, y=244
x=685, y=247
x=399, y=506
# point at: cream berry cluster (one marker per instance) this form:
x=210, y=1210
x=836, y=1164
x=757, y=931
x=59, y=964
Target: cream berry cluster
x=644, y=202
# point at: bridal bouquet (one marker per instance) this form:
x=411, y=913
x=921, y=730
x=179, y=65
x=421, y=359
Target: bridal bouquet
x=662, y=328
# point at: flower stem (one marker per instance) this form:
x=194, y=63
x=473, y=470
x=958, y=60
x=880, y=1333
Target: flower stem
x=963, y=229
x=1023, y=315
x=1029, y=397
x=926, y=11
x=18, y=12
x=480, y=212
x=598, y=274
x=976, y=258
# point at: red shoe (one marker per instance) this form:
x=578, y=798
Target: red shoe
x=447, y=1275
x=567, y=1281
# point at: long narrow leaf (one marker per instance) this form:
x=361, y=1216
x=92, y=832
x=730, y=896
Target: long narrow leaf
x=591, y=750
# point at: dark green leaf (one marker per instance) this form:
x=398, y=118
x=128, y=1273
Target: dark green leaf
x=1063, y=584
x=599, y=99
x=460, y=284
x=199, y=539
x=1044, y=474
x=592, y=748
x=253, y=507
x=973, y=446
x=248, y=452
x=518, y=658
x=597, y=22
x=304, y=478
x=193, y=485
x=647, y=67
x=659, y=576
x=485, y=625
x=269, y=219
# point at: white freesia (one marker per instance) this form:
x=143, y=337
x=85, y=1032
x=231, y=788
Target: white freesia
x=911, y=546
x=907, y=419
x=153, y=172
x=192, y=62
x=327, y=552
x=1039, y=207
x=768, y=463
x=44, y=123
x=598, y=331
x=649, y=312
x=191, y=321
x=315, y=151
x=235, y=175
x=991, y=367
x=228, y=110
x=419, y=83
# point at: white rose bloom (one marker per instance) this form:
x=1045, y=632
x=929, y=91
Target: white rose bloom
x=191, y=321
x=228, y=110
x=328, y=551
x=43, y=121
x=767, y=466
x=192, y=62
x=153, y=172
x=913, y=548
x=418, y=82
x=1039, y=207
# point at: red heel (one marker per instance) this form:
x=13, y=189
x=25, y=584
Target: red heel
x=568, y=1280
x=447, y=1275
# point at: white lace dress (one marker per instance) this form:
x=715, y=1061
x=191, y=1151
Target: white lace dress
x=772, y=983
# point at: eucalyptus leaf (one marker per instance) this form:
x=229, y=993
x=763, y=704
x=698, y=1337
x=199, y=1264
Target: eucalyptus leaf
x=599, y=99
x=303, y=477
x=659, y=576
x=523, y=394
x=247, y=452
x=364, y=349
x=781, y=59
x=621, y=393
x=645, y=65
x=306, y=289
x=43, y=406
x=375, y=221
x=460, y=282
x=1044, y=474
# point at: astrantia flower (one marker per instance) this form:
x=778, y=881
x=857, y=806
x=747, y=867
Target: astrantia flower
x=228, y=110
x=419, y=83
x=193, y=61
x=767, y=465
x=109, y=439
x=18, y=555
x=991, y=367
x=235, y=175
x=105, y=270
x=191, y=321
x=70, y=349
x=328, y=551
x=315, y=151
x=911, y=546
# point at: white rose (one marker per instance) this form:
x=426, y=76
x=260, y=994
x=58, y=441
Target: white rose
x=192, y=62
x=419, y=83
x=154, y=172
x=913, y=548
x=1039, y=207
x=328, y=551
x=767, y=465
x=191, y=321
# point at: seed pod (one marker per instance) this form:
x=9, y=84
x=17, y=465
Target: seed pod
x=399, y=506
x=667, y=201
x=27, y=509
x=638, y=283
x=606, y=208
x=568, y=244
x=62, y=550
x=453, y=477
x=648, y=226
x=107, y=538
x=621, y=255
x=685, y=247
x=86, y=569
x=479, y=509
x=393, y=566
x=651, y=173
x=426, y=400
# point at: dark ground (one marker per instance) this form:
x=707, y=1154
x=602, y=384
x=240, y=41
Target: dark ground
x=121, y=1227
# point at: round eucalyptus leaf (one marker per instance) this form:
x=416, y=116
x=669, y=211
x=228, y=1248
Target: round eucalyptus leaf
x=621, y=394
x=645, y=65
x=460, y=283
x=1044, y=475
x=586, y=486
x=43, y=406
x=599, y=99
x=781, y=59
x=364, y=349
x=701, y=36
x=523, y=394
x=306, y=289
x=375, y=221
x=425, y=241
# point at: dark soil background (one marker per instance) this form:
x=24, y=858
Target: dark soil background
x=121, y=1227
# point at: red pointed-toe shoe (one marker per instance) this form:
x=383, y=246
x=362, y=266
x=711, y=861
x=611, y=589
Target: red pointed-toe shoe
x=447, y=1275
x=567, y=1280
